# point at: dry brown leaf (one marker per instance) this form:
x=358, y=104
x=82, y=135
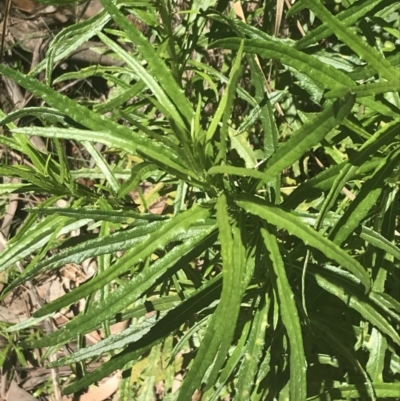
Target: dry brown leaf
x=8, y=315
x=102, y=392
x=17, y=393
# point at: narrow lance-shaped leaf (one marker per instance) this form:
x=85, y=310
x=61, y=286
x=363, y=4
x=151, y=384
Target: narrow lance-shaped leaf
x=139, y=172
x=155, y=63
x=240, y=274
x=233, y=360
x=165, y=102
x=114, y=216
x=290, y=319
x=364, y=72
x=325, y=180
x=348, y=17
x=313, y=187
x=338, y=183
x=330, y=338
x=239, y=171
x=46, y=112
x=366, y=199
x=70, y=39
x=197, y=300
x=34, y=176
x=158, y=152
x=242, y=145
x=353, y=391
x=219, y=333
x=377, y=354
x=108, y=132
x=230, y=94
x=322, y=73
x=381, y=138
x=226, y=99
x=267, y=118
x=157, y=240
x=351, y=39
x=287, y=221
x=333, y=283
x=310, y=134
x=242, y=93
x=36, y=237
x=364, y=90
x=102, y=165
x=126, y=295
x=253, y=351
x=115, y=242
x=380, y=242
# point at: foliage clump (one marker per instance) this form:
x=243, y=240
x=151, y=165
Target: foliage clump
x=273, y=265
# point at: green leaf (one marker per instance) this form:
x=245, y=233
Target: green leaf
x=108, y=132
x=364, y=90
x=41, y=112
x=339, y=182
x=126, y=295
x=70, y=39
x=197, y=300
x=232, y=362
x=318, y=71
x=377, y=353
x=381, y=138
x=242, y=93
x=235, y=280
x=139, y=173
x=157, y=151
x=270, y=129
x=36, y=237
x=17, y=188
x=390, y=305
x=114, y=216
x=168, y=107
x=236, y=73
x=348, y=17
x=351, y=39
x=242, y=145
x=253, y=351
x=382, y=390
x=218, y=337
x=290, y=319
x=366, y=71
x=310, y=134
x=240, y=171
x=332, y=280
x=118, y=241
x=225, y=103
x=380, y=242
x=366, y=199
x=102, y=165
x=322, y=73
x=156, y=240
x=287, y=221
x=155, y=64
x=114, y=342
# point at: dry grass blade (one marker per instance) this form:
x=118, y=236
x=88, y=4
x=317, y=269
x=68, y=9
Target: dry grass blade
x=278, y=16
x=299, y=27
x=5, y=20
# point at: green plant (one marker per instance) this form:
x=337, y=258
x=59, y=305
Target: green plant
x=272, y=293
